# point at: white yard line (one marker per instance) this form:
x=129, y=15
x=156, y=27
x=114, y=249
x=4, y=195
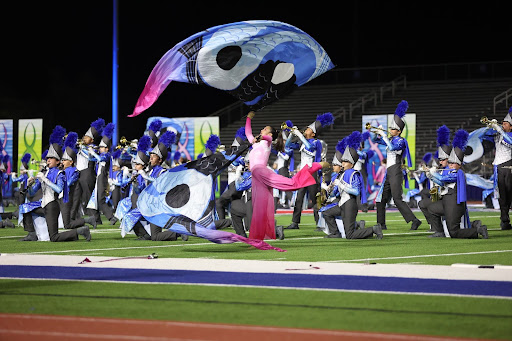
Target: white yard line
x=419, y=256
x=257, y=266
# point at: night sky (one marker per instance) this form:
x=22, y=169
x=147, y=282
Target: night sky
x=57, y=56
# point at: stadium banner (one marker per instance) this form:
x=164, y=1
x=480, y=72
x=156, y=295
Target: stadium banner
x=30, y=140
x=375, y=168
x=6, y=139
x=195, y=131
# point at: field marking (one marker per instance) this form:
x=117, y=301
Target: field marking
x=418, y=256
x=179, y=244
x=355, y=291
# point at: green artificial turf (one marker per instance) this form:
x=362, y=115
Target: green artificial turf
x=489, y=318
x=400, y=245
x=388, y=313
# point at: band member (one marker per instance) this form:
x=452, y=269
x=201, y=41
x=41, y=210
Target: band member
x=397, y=150
x=98, y=200
x=502, y=138
x=452, y=203
x=52, y=182
x=361, y=166
x=22, y=178
x=86, y=166
x=4, y=216
x=444, y=149
x=241, y=208
x=231, y=194
x=115, y=178
x=68, y=162
x=4, y=176
x=346, y=185
x=285, y=164
x=156, y=157
x=310, y=152
x=138, y=184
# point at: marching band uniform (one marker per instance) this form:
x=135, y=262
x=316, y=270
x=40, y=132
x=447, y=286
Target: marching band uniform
x=348, y=184
x=161, y=150
x=241, y=208
x=52, y=182
x=502, y=167
x=231, y=194
x=98, y=200
x=4, y=217
x=86, y=166
x=115, y=178
x=22, y=178
x=362, y=167
x=310, y=152
x=452, y=204
x=397, y=149
x=444, y=150
x=126, y=208
x=285, y=164
x=72, y=176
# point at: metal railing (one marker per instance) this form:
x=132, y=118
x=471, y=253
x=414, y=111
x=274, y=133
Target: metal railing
x=372, y=96
x=504, y=96
x=443, y=71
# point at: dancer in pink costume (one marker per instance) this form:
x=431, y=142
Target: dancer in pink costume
x=264, y=180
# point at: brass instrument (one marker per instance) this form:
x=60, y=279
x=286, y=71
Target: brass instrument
x=285, y=127
x=321, y=197
x=434, y=194
x=124, y=144
x=80, y=143
x=485, y=121
x=373, y=129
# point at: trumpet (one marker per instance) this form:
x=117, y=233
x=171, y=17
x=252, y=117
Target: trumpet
x=285, y=127
x=123, y=143
x=80, y=143
x=485, y=121
x=373, y=129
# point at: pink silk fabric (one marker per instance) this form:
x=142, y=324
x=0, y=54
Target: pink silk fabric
x=264, y=180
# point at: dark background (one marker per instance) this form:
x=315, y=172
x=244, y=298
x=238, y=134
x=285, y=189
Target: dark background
x=57, y=56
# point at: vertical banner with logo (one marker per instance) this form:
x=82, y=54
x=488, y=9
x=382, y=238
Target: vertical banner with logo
x=195, y=131
x=30, y=140
x=376, y=169
x=6, y=139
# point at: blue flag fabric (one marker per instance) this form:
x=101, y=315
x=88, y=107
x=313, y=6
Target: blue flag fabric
x=256, y=61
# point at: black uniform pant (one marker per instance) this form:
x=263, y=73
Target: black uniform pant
x=287, y=194
x=51, y=214
x=423, y=206
x=241, y=212
x=299, y=200
x=505, y=190
x=392, y=188
x=452, y=212
x=83, y=192
x=67, y=207
x=226, y=198
x=158, y=235
x=115, y=197
x=348, y=213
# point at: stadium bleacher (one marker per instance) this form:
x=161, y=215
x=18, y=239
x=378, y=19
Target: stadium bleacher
x=456, y=103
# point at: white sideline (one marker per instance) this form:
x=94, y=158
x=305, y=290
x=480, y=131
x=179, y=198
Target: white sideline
x=501, y=273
